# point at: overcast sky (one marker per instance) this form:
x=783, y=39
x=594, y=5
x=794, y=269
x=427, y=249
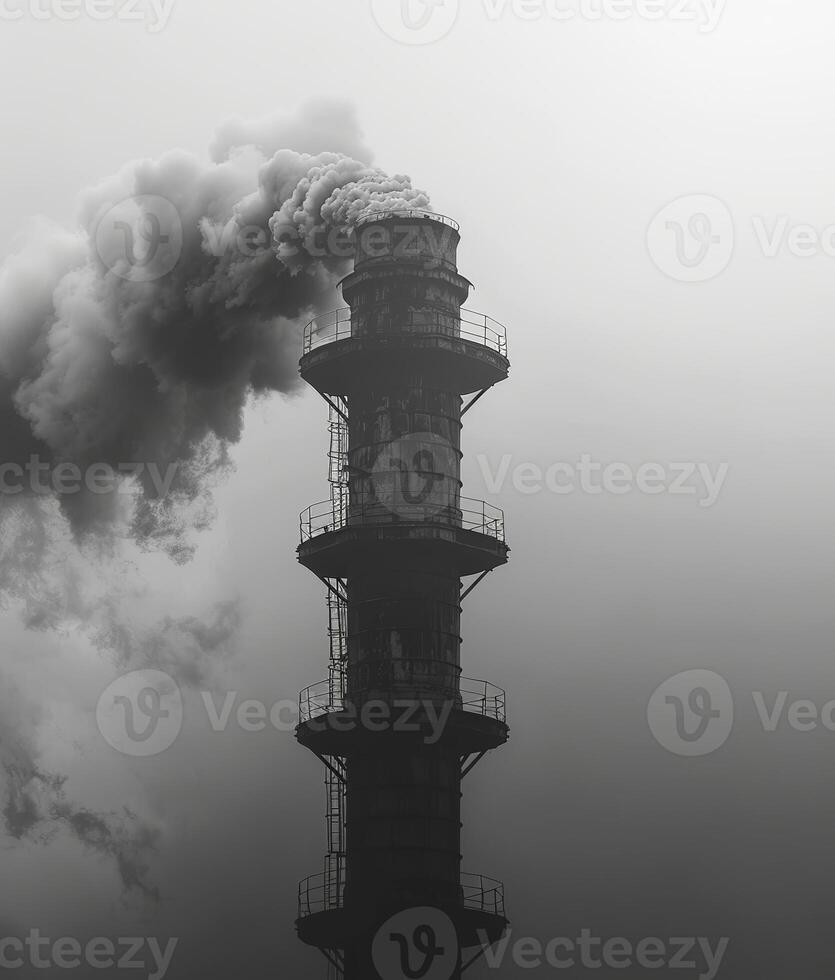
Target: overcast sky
x=556, y=144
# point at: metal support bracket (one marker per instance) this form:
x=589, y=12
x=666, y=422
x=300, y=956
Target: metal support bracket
x=474, y=959
x=472, y=764
x=333, y=958
x=334, y=406
x=338, y=770
x=477, y=582
x=339, y=590
x=472, y=401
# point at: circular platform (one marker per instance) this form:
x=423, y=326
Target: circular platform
x=344, y=733
x=335, y=554
x=465, y=365
x=339, y=928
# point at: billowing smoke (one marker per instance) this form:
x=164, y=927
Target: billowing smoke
x=129, y=348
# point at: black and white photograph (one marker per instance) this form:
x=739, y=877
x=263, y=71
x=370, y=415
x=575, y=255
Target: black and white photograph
x=417, y=478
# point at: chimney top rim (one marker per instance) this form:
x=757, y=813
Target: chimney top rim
x=402, y=213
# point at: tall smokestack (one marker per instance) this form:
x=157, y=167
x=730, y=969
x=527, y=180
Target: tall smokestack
x=396, y=724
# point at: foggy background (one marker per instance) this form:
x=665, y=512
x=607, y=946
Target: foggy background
x=554, y=145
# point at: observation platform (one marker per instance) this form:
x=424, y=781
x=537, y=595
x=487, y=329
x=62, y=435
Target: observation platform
x=472, y=718
x=343, y=347
x=326, y=920
x=338, y=537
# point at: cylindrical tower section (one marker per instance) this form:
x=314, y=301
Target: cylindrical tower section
x=404, y=456
x=405, y=278
x=404, y=461
x=400, y=361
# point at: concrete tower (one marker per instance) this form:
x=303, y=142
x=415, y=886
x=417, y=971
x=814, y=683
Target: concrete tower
x=396, y=724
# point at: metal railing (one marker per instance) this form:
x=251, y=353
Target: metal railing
x=483, y=698
x=475, y=696
x=316, y=894
x=483, y=894
x=407, y=213
x=368, y=510
x=318, y=700
x=477, y=892
x=476, y=327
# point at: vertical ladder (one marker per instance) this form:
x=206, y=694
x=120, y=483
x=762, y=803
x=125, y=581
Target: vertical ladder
x=338, y=460
x=334, y=786
x=337, y=636
x=337, y=610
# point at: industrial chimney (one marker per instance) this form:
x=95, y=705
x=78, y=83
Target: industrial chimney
x=395, y=724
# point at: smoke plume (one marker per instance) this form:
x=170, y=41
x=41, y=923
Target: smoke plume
x=38, y=809
x=129, y=348
x=134, y=342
